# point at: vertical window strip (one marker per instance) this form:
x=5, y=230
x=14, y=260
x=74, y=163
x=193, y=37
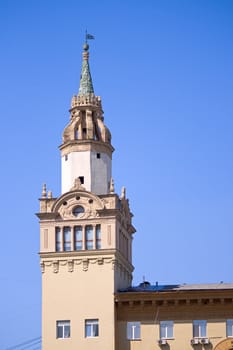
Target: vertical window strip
x=67, y=238
x=89, y=237
x=58, y=239
x=78, y=238
x=230, y=328
x=98, y=237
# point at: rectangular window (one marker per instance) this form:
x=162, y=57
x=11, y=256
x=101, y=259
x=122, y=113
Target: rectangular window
x=81, y=178
x=67, y=238
x=84, y=132
x=89, y=237
x=166, y=329
x=78, y=238
x=58, y=239
x=91, y=328
x=133, y=330
x=98, y=237
x=63, y=329
x=199, y=328
x=229, y=328
x=98, y=155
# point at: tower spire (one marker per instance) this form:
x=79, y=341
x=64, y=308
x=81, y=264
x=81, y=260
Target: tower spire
x=86, y=85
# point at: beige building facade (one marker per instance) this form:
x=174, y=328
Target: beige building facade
x=88, y=301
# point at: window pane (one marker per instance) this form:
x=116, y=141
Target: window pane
x=88, y=331
x=203, y=330
x=229, y=328
x=78, y=211
x=92, y=328
x=162, y=331
x=95, y=330
x=170, y=332
x=89, y=237
x=166, y=329
x=58, y=239
x=66, y=331
x=78, y=237
x=199, y=328
x=98, y=237
x=63, y=329
x=67, y=238
x=133, y=330
x=59, y=332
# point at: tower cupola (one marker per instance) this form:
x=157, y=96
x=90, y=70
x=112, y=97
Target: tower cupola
x=86, y=149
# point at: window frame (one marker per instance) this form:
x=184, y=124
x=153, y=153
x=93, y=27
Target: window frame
x=167, y=327
x=61, y=325
x=133, y=330
x=229, y=328
x=201, y=326
x=91, y=328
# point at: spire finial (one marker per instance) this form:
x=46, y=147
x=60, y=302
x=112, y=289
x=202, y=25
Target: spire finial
x=111, y=189
x=123, y=193
x=86, y=86
x=44, y=191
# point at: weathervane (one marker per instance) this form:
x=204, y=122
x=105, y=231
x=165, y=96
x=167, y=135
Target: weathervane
x=88, y=37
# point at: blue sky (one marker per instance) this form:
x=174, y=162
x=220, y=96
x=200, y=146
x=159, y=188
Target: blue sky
x=164, y=71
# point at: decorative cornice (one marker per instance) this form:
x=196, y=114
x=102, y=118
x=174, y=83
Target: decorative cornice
x=74, y=259
x=86, y=145
x=175, y=298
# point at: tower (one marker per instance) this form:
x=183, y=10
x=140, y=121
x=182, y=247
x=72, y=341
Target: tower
x=85, y=234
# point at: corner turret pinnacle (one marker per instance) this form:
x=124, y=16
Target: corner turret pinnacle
x=86, y=86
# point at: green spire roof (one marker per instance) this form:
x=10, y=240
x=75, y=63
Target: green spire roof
x=86, y=86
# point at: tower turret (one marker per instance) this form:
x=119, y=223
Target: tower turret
x=85, y=234
x=86, y=150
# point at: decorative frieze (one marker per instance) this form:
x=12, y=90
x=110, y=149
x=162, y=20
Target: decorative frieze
x=84, y=263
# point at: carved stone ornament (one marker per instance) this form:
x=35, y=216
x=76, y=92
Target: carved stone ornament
x=85, y=264
x=42, y=266
x=100, y=261
x=114, y=262
x=78, y=185
x=70, y=265
x=55, y=266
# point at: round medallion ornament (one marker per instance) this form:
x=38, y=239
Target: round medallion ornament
x=226, y=344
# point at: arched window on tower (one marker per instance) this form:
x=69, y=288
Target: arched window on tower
x=89, y=237
x=76, y=134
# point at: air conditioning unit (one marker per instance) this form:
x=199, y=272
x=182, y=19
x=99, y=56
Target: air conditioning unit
x=162, y=342
x=194, y=341
x=205, y=341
